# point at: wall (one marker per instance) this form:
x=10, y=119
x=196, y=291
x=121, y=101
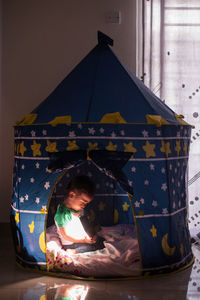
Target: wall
x=1, y=158
x=1, y=112
x=42, y=42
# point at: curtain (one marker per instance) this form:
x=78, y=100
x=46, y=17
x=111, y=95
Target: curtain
x=169, y=64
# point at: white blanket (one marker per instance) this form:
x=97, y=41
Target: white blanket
x=120, y=257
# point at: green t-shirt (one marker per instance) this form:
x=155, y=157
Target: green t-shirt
x=63, y=215
x=63, y=298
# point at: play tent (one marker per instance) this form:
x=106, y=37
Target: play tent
x=102, y=121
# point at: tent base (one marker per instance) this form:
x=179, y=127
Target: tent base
x=70, y=276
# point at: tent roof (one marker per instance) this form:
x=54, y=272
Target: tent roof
x=97, y=86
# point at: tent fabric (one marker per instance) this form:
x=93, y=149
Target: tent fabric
x=140, y=170
x=109, y=162
x=100, y=84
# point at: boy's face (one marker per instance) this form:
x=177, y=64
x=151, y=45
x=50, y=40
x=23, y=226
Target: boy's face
x=77, y=201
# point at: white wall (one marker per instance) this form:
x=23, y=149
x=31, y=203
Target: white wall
x=42, y=41
x=1, y=124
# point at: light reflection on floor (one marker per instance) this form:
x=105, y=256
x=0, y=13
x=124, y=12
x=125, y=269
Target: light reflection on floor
x=16, y=283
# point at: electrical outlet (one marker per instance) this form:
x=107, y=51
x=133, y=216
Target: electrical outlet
x=113, y=17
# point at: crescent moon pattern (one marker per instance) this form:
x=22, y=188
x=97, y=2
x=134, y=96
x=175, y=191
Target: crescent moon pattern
x=43, y=297
x=166, y=248
x=116, y=216
x=42, y=242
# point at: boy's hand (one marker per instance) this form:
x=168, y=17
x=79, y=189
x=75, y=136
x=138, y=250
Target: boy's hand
x=91, y=240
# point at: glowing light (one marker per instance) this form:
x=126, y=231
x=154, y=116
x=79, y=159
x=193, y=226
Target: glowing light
x=75, y=228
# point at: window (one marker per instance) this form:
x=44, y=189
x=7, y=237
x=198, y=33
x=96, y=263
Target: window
x=169, y=64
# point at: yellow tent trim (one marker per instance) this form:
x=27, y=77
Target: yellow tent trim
x=61, y=120
x=179, y=118
x=156, y=120
x=26, y=120
x=109, y=118
x=113, y=118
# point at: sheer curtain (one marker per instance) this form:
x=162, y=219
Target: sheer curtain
x=169, y=64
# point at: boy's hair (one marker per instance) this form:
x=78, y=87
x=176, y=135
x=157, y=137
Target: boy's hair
x=82, y=184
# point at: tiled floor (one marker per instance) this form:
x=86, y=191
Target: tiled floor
x=19, y=284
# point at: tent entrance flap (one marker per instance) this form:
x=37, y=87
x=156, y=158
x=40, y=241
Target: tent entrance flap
x=109, y=162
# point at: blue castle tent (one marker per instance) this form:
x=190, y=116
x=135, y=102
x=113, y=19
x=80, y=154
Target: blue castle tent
x=102, y=121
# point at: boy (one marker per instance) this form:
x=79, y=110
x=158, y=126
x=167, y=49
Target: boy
x=80, y=192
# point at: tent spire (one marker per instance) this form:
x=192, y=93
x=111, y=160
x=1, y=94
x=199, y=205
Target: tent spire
x=104, y=39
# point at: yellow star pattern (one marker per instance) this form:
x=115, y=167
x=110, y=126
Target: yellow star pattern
x=15, y=148
x=165, y=148
x=185, y=148
x=72, y=146
x=101, y=206
x=51, y=147
x=128, y=147
x=125, y=206
x=111, y=146
x=22, y=148
x=36, y=149
x=153, y=231
x=149, y=149
x=42, y=211
x=31, y=227
x=178, y=147
x=17, y=217
x=92, y=146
